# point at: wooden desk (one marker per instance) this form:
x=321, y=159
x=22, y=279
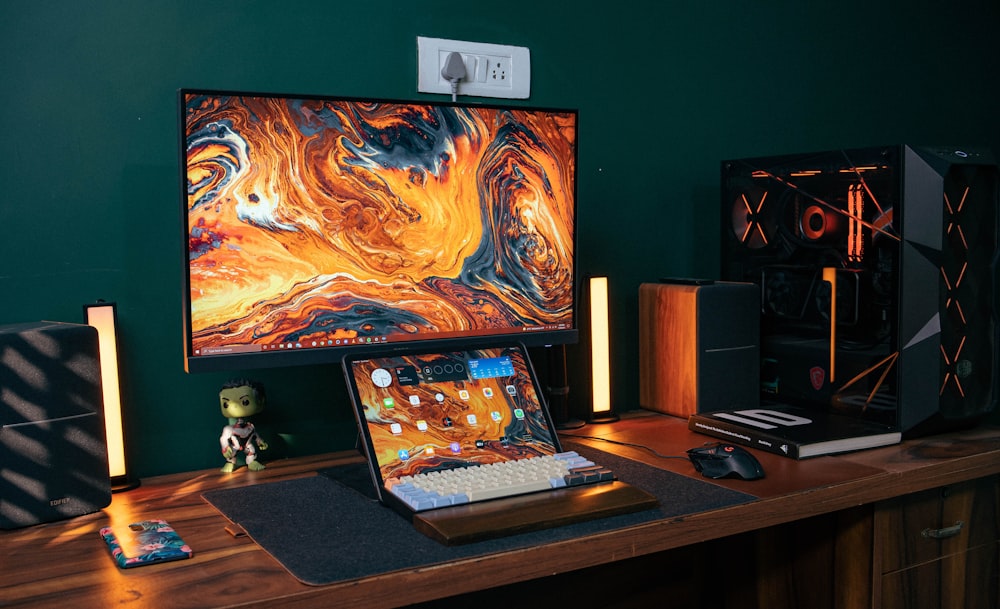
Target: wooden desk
x=832, y=503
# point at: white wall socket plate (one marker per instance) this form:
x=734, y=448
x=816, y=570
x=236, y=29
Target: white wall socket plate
x=491, y=70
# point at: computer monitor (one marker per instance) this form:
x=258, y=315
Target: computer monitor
x=315, y=226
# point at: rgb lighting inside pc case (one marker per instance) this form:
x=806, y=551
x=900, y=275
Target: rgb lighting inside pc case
x=877, y=273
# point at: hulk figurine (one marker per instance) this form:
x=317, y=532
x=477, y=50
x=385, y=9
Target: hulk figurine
x=241, y=399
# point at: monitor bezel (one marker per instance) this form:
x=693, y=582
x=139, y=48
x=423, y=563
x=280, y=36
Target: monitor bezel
x=334, y=355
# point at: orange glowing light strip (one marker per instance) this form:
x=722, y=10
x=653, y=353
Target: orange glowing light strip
x=600, y=345
x=961, y=275
x=961, y=234
x=830, y=275
x=855, y=243
x=871, y=195
x=887, y=362
x=753, y=218
x=746, y=203
x=760, y=228
x=961, y=313
x=944, y=384
x=860, y=169
x=947, y=375
x=878, y=385
x=102, y=317
x=947, y=204
x=857, y=171
x=952, y=212
x=961, y=203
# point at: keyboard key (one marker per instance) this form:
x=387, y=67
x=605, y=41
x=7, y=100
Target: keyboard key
x=506, y=491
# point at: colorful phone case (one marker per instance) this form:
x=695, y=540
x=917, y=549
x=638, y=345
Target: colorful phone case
x=147, y=542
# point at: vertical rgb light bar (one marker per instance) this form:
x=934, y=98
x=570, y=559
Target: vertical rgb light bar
x=104, y=317
x=600, y=352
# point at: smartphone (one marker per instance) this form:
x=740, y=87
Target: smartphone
x=145, y=543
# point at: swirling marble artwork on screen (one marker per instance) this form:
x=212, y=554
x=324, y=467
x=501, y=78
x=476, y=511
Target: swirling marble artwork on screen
x=323, y=220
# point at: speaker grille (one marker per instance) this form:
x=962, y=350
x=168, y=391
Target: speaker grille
x=55, y=462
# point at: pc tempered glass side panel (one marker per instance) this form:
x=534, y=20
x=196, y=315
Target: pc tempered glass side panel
x=820, y=234
x=327, y=225
x=430, y=411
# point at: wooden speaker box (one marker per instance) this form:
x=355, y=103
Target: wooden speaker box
x=699, y=347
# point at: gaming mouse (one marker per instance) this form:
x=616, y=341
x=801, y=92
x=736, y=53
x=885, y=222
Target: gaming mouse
x=719, y=460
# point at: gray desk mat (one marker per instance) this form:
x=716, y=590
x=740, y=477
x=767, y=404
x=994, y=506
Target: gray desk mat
x=324, y=531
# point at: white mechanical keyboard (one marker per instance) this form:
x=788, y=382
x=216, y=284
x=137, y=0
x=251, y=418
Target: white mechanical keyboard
x=493, y=480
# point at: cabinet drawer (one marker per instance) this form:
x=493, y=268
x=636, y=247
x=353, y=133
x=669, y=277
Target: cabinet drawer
x=925, y=526
x=958, y=581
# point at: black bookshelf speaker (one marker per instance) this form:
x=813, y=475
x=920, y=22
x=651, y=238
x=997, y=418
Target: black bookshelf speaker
x=699, y=346
x=878, y=272
x=55, y=462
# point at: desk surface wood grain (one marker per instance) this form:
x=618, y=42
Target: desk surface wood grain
x=66, y=564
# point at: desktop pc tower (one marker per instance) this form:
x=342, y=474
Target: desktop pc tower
x=877, y=270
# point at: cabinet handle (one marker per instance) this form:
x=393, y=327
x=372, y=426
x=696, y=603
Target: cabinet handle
x=944, y=533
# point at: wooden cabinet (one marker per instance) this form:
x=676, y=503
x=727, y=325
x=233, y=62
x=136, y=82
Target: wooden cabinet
x=939, y=549
x=935, y=549
x=905, y=553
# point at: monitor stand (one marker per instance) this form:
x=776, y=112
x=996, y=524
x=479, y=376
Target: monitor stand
x=557, y=390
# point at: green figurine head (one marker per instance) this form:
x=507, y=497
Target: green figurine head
x=241, y=399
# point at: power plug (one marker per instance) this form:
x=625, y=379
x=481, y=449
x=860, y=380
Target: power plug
x=453, y=71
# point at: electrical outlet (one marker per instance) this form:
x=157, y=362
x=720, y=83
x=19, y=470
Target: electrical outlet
x=491, y=70
x=498, y=71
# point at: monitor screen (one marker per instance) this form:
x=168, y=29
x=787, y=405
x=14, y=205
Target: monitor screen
x=318, y=226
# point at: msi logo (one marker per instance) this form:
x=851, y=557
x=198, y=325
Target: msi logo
x=817, y=376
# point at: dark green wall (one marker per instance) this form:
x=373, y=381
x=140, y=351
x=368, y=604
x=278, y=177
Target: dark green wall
x=90, y=202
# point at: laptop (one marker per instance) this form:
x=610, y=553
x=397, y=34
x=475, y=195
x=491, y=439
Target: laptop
x=460, y=411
